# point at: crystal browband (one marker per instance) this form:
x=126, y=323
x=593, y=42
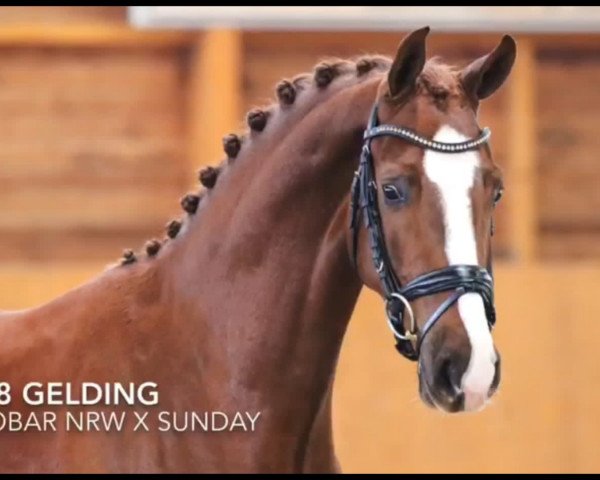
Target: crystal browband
x=423, y=142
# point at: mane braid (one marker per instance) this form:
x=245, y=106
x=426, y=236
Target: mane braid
x=287, y=93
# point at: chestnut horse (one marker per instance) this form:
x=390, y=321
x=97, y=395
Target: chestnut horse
x=243, y=307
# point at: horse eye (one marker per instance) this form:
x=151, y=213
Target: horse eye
x=498, y=195
x=393, y=195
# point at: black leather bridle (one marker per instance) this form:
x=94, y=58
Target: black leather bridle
x=457, y=279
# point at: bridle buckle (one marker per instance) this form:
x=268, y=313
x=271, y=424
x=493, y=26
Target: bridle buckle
x=410, y=334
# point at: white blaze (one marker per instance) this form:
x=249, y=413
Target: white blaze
x=454, y=175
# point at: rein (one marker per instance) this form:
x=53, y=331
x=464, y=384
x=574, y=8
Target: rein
x=457, y=279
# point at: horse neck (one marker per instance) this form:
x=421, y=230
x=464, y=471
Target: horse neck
x=261, y=272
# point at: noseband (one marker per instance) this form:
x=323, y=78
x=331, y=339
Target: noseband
x=457, y=279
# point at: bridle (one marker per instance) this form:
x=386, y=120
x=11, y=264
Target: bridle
x=457, y=279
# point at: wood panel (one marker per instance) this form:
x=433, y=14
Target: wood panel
x=370, y=42
x=521, y=120
x=570, y=243
x=81, y=206
x=62, y=15
x=544, y=418
x=91, y=36
x=569, y=149
x=40, y=246
x=215, y=94
x=24, y=286
x=78, y=27
x=272, y=56
x=90, y=140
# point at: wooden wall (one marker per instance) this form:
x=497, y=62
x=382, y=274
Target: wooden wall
x=92, y=151
x=93, y=133
x=568, y=170
x=63, y=16
x=102, y=128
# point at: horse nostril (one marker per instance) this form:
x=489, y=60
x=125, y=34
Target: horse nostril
x=448, y=377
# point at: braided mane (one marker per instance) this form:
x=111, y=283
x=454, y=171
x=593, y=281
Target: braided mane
x=436, y=80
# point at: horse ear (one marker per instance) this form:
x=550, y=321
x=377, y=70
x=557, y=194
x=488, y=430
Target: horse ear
x=486, y=74
x=408, y=63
